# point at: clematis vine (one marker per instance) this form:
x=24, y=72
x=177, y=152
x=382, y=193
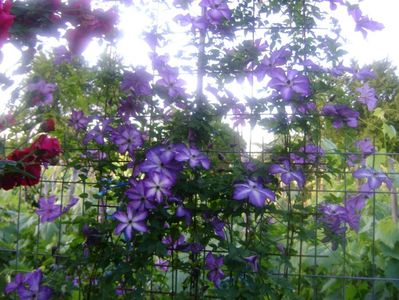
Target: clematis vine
x=254, y=191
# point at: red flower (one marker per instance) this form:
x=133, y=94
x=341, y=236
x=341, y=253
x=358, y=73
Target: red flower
x=45, y=148
x=29, y=161
x=48, y=125
x=27, y=164
x=6, y=20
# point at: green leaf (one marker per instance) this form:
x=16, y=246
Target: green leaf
x=328, y=145
x=392, y=270
x=389, y=130
x=379, y=113
x=387, y=232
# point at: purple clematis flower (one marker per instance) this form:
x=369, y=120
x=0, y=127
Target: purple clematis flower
x=287, y=176
x=254, y=191
x=137, y=195
x=28, y=286
x=269, y=63
x=172, y=244
x=239, y=115
x=138, y=82
x=364, y=73
x=129, y=221
x=213, y=264
x=308, y=154
x=253, y=261
x=16, y=283
x=194, y=248
x=290, y=84
x=364, y=23
x=340, y=69
x=333, y=220
x=306, y=108
x=342, y=114
x=158, y=186
x=218, y=227
x=367, y=96
x=353, y=208
x=160, y=160
x=217, y=11
x=192, y=155
x=162, y=264
x=335, y=217
x=173, y=85
x=333, y=3
x=127, y=138
x=311, y=65
x=365, y=146
x=48, y=211
x=131, y=106
x=374, y=178
x=78, y=120
x=185, y=213
x=98, y=133
x=41, y=92
x=62, y=55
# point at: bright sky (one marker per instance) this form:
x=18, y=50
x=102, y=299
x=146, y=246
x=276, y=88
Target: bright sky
x=380, y=44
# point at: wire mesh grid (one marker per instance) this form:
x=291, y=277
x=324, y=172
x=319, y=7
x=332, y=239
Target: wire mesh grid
x=296, y=260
